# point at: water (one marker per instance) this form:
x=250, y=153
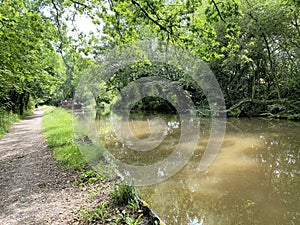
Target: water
x=254, y=179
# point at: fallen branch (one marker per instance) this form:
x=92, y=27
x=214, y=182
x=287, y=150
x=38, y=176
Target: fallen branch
x=238, y=104
x=256, y=101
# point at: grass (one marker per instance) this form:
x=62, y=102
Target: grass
x=99, y=213
x=124, y=194
x=119, y=205
x=122, y=207
x=57, y=126
x=9, y=118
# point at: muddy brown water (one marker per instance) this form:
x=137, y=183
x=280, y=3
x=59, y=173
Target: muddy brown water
x=253, y=180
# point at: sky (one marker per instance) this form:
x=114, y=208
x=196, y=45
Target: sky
x=84, y=24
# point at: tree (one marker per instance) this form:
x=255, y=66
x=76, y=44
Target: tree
x=258, y=73
x=26, y=52
x=253, y=47
x=32, y=33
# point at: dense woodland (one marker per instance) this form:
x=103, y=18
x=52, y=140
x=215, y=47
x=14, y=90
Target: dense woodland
x=253, y=48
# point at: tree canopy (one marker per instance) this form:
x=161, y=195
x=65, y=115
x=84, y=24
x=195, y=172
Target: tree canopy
x=251, y=46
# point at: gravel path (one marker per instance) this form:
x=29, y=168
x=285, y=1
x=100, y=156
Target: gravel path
x=33, y=188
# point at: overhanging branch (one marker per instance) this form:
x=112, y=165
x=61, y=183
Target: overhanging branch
x=149, y=17
x=218, y=10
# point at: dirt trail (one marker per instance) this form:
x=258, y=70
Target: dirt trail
x=33, y=189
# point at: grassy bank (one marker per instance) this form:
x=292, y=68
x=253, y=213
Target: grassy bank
x=9, y=118
x=58, y=130
x=119, y=203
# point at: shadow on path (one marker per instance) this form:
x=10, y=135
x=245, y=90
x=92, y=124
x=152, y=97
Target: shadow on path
x=33, y=189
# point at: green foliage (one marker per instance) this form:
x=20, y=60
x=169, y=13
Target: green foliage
x=6, y=120
x=98, y=214
x=9, y=118
x=57, y=127
x=160, y=87
x=251, y=46
x=124, y=194
x=123, y=207
x=123, y=217
x=131, y=221
x=75, y=66
x=26, y=52
x=102, y=214
x=258, y=65
x=89, y=176
x=188, y=23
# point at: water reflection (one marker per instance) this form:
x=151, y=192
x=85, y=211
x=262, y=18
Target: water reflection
x=254, y=179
